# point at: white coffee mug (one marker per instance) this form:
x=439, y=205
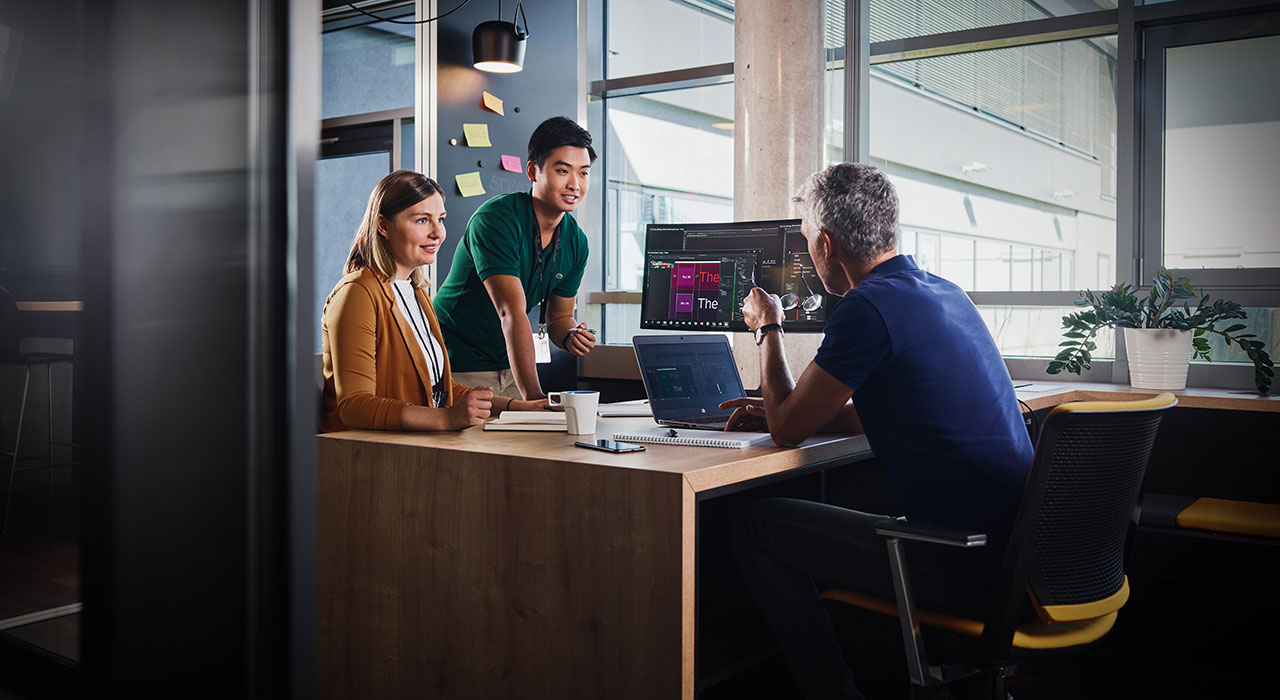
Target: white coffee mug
x=579, y=409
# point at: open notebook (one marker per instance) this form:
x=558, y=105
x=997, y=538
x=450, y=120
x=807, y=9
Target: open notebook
x=694, y=438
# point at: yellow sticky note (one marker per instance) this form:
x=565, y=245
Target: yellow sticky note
x=469, y=184
x=491, y=102
x=477, y=134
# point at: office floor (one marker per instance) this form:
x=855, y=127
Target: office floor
x=1100, y=675
x=39, y=570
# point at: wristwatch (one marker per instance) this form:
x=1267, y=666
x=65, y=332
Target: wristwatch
x=763, y=330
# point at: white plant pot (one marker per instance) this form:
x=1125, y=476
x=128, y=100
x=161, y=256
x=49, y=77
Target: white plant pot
x=1158, y=358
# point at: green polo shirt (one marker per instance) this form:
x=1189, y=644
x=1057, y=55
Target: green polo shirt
x=500, y=240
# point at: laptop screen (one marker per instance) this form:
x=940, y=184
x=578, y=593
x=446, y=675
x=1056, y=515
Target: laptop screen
x=688, y=375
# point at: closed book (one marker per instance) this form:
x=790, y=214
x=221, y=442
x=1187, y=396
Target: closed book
x=543, y=427
x=551, y=421
x=694, y=438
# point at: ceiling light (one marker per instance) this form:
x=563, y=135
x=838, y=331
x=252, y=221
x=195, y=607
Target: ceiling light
x=498, y=46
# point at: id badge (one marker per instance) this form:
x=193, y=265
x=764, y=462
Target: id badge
x=541, y=347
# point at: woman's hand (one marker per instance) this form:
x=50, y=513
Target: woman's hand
x=472, y=408
x=748, y=415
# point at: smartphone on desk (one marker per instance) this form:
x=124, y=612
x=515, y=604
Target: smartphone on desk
x=610, y=446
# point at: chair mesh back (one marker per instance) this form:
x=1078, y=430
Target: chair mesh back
x=1095, y=463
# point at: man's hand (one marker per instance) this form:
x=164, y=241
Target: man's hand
x=472, y=408
x=538, y=405
x=748, y=415
x=579, y=340
x=761, y=308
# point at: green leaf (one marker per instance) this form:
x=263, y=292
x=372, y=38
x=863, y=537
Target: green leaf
x=1236, y=327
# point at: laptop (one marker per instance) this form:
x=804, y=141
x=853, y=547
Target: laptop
x=687, y=377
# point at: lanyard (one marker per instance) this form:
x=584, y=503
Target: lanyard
x=427, y=340
x=537, y=265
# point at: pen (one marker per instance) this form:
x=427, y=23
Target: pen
x=575, y=329
x=1019, y=386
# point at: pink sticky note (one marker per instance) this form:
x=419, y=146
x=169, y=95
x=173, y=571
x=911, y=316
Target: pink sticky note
x=511, y=164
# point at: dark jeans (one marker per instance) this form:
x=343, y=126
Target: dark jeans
x=787, y=548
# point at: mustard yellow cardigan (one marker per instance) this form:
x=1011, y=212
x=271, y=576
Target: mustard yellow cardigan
x=370, y=371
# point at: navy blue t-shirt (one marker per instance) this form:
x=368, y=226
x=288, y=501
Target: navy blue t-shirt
x=934, y=397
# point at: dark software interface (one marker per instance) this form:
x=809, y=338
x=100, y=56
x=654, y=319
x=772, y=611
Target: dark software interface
x=697, y=275
x=689, y=375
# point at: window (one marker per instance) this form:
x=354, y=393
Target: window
x=1004, y=165
x=368, y=67
x=1033, y=331
x=1222, y=144
x=653, y=36
x=1212, y=154
x=670, y=161
x=1263, y=322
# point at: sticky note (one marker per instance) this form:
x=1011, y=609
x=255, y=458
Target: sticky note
x=469, y=184
x=491, y=103
x=512, y=164
x=477, y=134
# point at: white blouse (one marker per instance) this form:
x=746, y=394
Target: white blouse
x=411, y=311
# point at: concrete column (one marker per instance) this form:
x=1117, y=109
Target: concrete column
x=778, y=66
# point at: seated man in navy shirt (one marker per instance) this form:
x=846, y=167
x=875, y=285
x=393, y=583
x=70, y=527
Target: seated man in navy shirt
x=906, y=359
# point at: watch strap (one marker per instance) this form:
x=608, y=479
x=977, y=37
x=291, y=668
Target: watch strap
x=762, y=331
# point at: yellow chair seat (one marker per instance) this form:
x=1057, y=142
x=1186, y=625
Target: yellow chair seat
x=1034, y=636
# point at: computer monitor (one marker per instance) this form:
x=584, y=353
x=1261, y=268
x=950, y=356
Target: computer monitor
x=697, y=275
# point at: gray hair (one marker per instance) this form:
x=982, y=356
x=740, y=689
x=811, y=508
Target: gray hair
x=856, y=205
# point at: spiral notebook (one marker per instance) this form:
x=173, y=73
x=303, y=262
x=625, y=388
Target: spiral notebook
x=694, y=438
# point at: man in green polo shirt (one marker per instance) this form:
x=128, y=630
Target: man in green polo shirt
x=521, y=251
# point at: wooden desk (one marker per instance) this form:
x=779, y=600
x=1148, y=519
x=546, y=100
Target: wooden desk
x=1226, y=399
x=50, y=306
x=512, y=564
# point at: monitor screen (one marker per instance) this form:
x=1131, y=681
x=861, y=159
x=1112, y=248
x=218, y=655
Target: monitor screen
x=697, y=275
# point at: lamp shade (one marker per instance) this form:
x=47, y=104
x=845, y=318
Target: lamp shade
x=497, y=47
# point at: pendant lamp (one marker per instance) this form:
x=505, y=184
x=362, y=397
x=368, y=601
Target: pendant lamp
x=498, y=46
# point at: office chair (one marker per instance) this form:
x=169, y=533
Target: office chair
x=1065, y=556
x=11, y=357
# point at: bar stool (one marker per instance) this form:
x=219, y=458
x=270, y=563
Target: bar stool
x=10, y=357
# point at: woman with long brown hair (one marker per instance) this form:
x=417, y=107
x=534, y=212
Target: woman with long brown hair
x=385, y=366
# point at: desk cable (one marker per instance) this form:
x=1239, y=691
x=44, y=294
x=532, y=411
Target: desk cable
x=1034, y=423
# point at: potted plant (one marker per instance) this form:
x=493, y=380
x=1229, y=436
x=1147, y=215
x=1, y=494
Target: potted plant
x=1161, y=333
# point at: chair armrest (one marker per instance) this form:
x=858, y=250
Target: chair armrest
x=923, y=532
